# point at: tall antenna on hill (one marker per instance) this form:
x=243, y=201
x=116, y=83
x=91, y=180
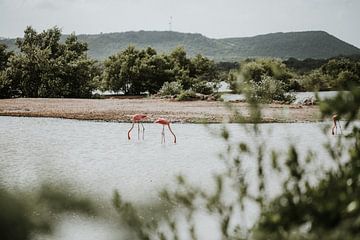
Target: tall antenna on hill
x=170, y=24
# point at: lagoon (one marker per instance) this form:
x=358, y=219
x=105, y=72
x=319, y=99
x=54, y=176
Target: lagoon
x=98, y=157
x=95, y=158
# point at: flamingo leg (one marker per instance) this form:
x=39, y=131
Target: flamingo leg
x=172, y=133
x=163, y=135
x=138, y=131
x=130, y=130
x=334, y=128
x=143, y=130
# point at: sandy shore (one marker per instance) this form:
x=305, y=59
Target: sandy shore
x=122, y=109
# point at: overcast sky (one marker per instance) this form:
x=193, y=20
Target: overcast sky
x=212, y=18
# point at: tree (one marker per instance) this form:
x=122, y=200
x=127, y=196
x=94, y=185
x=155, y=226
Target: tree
x=121, y=71
x=156, y=72
x=47, y=68
x=6, y=84
x=4, y=56
x=205, y=74
x=193, y=73
x=344, y=73
x=135, y=71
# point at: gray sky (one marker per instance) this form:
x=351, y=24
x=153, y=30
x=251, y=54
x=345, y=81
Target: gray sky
x=212, y=18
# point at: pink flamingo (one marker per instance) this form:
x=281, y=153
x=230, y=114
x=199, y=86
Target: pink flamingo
x=165, y=122
x=137, y=118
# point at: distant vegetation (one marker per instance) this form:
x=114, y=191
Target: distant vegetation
x=270, y=79
x=45, y=66
x=301, y=45
x=135, y=71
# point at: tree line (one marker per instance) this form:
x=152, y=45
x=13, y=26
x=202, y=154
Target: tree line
x=46, y=67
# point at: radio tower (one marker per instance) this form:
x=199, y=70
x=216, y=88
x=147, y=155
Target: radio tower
x=170, y=24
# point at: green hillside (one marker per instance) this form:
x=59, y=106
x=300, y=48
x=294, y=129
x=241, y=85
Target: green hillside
x=301, y=45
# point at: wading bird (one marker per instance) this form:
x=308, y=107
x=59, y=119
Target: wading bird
x=336, y=122
x=165, y=122
x=137, y=118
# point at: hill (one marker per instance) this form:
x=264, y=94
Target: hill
x=301, y=45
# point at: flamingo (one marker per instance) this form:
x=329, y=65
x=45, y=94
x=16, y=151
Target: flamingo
x=137, y=118
x=165, y=122
x=335, y=123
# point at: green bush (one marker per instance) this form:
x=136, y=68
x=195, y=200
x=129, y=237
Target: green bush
x=252, y=73
x=186, y=95
x=202, y=87
x=170, y=88
x=315, y=81
x=256, y=69
x=268, y=90
x=345, y=80
x=233, y=81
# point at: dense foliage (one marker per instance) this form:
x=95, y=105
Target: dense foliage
x=309, y=64
x=263, y=80
x=47, y=68
x=135, y=71
x=5, y=83
x=170, y=88
x=332, y=74
x=4, y=56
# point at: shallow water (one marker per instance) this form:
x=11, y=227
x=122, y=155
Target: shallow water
x=97, y=157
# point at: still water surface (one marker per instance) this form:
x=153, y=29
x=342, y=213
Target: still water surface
x=97, y=157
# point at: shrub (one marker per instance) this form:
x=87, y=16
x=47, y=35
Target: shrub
x=170, y=88
x=315, y=81
x=186, y=95
x=268, y=90
x=233, y=81
x=203, y=87
x=345, y=80
x=255, y=70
